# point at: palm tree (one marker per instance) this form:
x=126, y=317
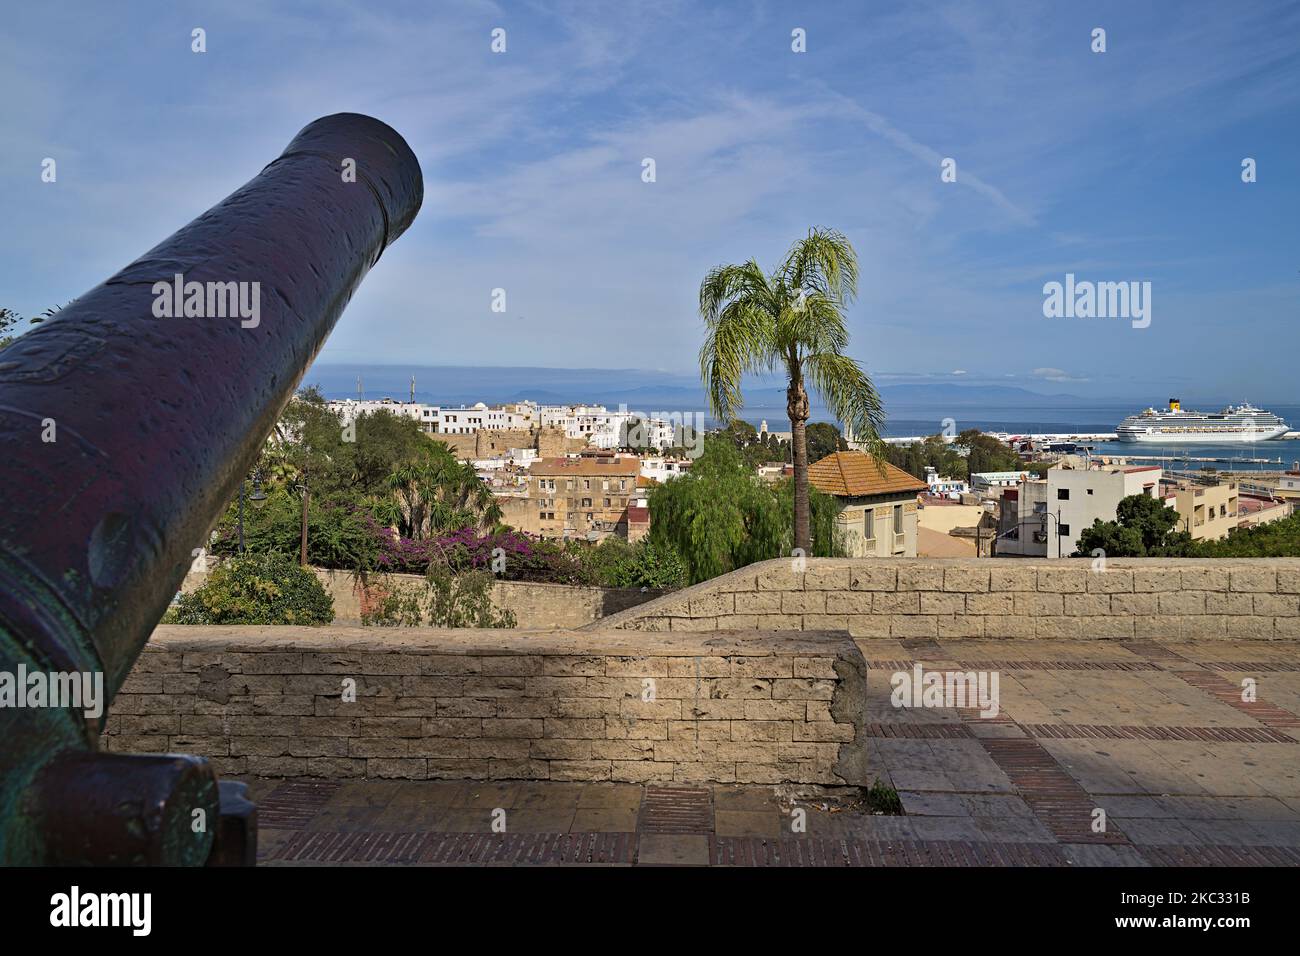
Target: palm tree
x=439, y=493
x=791, y=320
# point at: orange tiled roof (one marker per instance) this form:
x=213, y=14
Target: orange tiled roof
x=852, y=474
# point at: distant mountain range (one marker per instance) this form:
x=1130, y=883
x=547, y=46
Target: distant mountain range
x=637, y=388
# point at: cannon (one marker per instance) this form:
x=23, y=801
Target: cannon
x=126, y=424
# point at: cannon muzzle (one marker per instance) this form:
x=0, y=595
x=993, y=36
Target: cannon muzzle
x=126, y=424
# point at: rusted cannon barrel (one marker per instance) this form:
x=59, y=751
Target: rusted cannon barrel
x=126, y=425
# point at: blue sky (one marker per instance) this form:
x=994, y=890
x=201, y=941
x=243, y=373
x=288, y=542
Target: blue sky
x=1117, y=166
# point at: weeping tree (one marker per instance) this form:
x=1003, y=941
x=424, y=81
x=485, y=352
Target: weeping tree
x=437, y=493
x=792, y=321
x=720, y=515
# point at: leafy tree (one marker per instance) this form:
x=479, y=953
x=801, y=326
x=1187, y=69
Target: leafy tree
x=340, y=534
x=791, y=320
x=1143, y=526
x=1150, y=517
x=256, y=589
x=824, y=439
x=1112, y=539
x=720, y=516
x=740, y=432
x=1277, y=539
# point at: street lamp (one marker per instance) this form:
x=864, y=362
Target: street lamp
x=301, y=487
x=1045, y=515
x=257, y=498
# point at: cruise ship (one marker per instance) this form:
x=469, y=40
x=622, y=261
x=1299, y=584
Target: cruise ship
x=1236, y=423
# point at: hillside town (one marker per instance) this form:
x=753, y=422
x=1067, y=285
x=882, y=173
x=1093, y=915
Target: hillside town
x=584, y=472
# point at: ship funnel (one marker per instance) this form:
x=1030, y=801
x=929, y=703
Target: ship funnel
x=1175, y=404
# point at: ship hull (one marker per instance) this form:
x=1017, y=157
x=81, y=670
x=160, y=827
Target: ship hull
x=1157, y=437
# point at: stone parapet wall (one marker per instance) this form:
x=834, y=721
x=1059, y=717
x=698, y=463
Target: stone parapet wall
x=534, y=605
x=1122, y=599
x=500, y=705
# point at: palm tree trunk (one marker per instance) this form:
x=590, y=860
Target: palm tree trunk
x=796, y=404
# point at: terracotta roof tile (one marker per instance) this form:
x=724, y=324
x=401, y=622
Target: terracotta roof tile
x=854, y=474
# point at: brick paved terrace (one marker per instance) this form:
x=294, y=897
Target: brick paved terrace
x=1156, y=735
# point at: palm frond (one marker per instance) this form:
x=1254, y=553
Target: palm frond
x=823, y=262
x=851, y=397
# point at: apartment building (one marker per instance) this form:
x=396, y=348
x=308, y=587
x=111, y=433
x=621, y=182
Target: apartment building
x=468, y=419
x=877, y=503
x=1288, y=485
x=990, y=484
x=350, y=409
x=659, y=468
x=582, y=497
x=1206, y=512
x=1044, y=517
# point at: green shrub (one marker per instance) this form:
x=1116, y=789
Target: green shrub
x=644, y=565
x=256, y=589
x=444, y=599
x=398, y=606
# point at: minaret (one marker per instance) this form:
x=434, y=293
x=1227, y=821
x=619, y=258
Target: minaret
x=412, y=389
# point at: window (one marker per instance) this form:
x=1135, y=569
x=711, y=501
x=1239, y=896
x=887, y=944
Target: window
x=586, y=502
x=1062, y=494
x=1089, y=491
x=606, y=502
x=1063, y=530
x=898, y=519
x=869, y=524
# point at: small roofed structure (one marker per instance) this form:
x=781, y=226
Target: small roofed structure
x=877, y=503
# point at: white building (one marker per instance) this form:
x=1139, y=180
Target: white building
x=662, y=469
x=945, y=487
x=1044, y=517
x=985, y=483
x=349, y=409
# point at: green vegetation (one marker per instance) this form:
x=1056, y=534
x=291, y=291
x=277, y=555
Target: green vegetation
x=793, y=321
x=256, y=589
x=971, y=452
x=884, y=799
x=721, y=516
x=11, y=321
x=615, y=563
x=1146, y=527
x=386, y=498
x=1278, y=539
x=443, y=599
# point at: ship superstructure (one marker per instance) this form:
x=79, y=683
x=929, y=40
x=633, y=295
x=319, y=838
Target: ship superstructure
x=1236, y=423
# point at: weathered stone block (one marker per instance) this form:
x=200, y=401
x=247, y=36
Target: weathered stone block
x=1062, y=580
x=1253, y=579
x=966, y=579
x=873, y=577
